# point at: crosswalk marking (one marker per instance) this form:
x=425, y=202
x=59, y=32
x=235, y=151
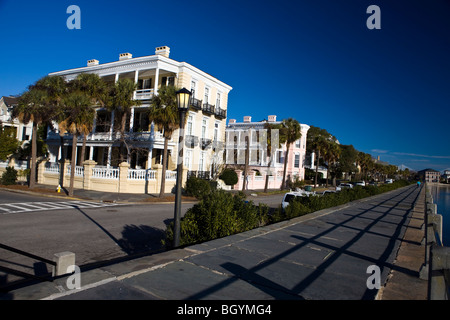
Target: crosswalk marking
x=7, y=208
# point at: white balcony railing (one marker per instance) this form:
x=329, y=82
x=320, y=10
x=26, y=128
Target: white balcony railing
x=143, y=94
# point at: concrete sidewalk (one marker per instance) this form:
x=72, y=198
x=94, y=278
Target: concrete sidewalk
x=323, y=255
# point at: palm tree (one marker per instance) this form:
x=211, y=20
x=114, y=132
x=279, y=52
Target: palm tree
x=33, y=106
x=56, y=88
x=291, y=132
x=269, y=127
x=77, y=111
x=317, y=142
x=332, y=154
x=164, y=113
x=97, y=91
x=121, y=102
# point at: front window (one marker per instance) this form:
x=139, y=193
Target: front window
x=204, y=125
x=297, y=161
x=190, y=124
x=201, y=164
x=193, y=88
x=218, y=100
x=216, y=131
x=206, y=100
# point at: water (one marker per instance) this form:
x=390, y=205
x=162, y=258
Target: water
x=441, y=197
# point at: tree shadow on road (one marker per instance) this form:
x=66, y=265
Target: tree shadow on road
x=136, y=239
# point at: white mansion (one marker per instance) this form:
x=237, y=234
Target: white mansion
x=206, y=119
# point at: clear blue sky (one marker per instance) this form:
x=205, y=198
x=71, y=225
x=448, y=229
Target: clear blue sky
x=386, y=92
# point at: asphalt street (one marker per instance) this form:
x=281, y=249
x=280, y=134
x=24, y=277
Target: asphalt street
x=325, y=255
x=94, y=231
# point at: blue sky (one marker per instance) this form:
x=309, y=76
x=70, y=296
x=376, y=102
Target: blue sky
x=384, y=91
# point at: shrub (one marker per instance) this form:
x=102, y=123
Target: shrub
x=218, y=214
x=197, y=187
x=9, y=176
x=229, y=176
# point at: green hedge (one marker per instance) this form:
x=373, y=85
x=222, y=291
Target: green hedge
x=304, y=205
x=220, y=213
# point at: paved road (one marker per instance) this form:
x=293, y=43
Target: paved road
x=323, y=255
x=94, y=231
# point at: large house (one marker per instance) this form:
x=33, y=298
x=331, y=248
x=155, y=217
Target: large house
x=260, y=162
x=206, y=119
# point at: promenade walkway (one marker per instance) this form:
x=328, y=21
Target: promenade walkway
x=323, y=255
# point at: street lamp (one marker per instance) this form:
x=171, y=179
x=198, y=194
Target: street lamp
x=183, y=101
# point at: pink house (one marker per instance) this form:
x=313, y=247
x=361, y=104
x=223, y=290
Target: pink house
x=260, y=163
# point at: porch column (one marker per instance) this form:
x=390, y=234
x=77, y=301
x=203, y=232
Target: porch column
x=155, y=90
x=136, y=78
x=111, y=130
x=91, y=153
x=108, y=163
x=132, y=119
x=94, y=124
x=149, y=157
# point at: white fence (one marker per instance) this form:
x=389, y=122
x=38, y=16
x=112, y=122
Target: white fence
x=141, y=174
x=105, y=173
x=79, y=171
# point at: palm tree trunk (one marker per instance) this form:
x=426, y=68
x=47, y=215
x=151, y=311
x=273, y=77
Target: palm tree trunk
x=285, y=167
x=73, y=164
x=163, y=178
x=83, y=149
x=61, y=161
x=122, y=137
x=266, y=185
x=247, y=153
x=317, y=168
x=33, y=156
x=328, y=174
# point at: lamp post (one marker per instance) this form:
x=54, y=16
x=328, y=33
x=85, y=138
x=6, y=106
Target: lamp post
x=183, y=101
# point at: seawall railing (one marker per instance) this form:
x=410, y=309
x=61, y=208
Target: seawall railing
x=437, y=256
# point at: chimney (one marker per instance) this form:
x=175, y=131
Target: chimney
x=92, y=62
x=272, y=118
x=232, y=121
x=163, y=51
x=125, y=56
x=247, y=119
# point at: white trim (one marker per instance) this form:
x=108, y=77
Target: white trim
x=154, y=61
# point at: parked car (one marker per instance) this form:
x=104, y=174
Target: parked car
x=290, y=196
x=389, y=181
x=360, y=183
x=344, y=185
x=326, y=192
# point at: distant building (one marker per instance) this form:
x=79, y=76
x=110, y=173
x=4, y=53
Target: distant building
x=446, y=175
x=429, y=175
x=23, y=131
x=259, y=160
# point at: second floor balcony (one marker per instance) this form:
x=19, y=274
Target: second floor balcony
x=112, y=136
x=144, y=94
